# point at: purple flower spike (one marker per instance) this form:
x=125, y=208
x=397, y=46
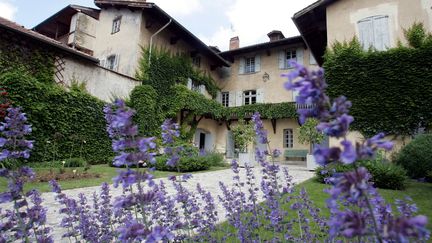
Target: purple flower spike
x=13, y=131
x=259, y=128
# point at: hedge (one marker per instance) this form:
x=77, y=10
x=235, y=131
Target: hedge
x=390, y=90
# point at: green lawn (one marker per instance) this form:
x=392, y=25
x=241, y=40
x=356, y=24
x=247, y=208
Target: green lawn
x=106, y=174
x=419, y=192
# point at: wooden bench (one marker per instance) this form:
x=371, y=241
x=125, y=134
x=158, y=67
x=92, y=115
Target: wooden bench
x=296, y=153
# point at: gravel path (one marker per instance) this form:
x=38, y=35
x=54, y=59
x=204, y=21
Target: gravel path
x=208, y=180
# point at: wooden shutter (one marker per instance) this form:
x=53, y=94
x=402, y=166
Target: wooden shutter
x=260, y=96
x=239, y=98
x=381, y=33
x=299, y=56
x=282, y=59
x=116, y=62
x=366, y=33
x=189, y=83
x=257, y=63
x=230, y=145
x=202, y=89
x=232, y=99
x=219, y=97
x=242, y=65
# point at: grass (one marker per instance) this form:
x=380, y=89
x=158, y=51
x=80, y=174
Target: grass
x=419, y=192
x=106, y=174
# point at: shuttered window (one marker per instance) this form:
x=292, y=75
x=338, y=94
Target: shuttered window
x=110, y=62
x=288, y=138
x=374, y=32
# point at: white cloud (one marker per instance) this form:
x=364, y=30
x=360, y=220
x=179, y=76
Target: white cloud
x=7, y=10
x=251, y=20
x=179, y=7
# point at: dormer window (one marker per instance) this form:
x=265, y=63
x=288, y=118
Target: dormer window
x=116, y=25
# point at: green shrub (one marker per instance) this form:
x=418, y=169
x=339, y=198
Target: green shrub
x=186, y=164
x=416, y=157
x=385, y=175
x=215, y=159
x=75, y=162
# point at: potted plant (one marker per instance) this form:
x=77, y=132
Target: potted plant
x=244, y=136
x=308, y=134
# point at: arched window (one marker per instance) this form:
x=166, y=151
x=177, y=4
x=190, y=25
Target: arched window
x=374, y=32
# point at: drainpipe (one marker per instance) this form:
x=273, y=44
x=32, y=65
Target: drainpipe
x=151, y=39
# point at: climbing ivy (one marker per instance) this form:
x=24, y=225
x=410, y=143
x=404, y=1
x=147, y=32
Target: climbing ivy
x=390, y=90
x=65, y=123
x=164, y=81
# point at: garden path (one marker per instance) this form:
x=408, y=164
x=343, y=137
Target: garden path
x=208, y=180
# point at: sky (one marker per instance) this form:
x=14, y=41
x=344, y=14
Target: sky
x=213, y=21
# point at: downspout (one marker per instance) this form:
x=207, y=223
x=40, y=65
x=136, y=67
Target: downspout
x=151, y=39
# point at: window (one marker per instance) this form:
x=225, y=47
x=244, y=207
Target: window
x=374, y=32
x=249, y=65
x=225, y=99
x=196, y=61
x=111, y=62
x=195, y=87
x=116, y=25
x=290, y=55
x=249, y=97
x=288, y=138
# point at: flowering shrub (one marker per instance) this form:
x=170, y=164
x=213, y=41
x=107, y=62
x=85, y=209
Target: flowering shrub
x=145, y=211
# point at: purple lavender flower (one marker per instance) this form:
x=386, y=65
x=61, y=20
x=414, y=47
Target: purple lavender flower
x=276, y=153
x=170, y=130
x=124, y=134
x=13, y=132
x=259, y=128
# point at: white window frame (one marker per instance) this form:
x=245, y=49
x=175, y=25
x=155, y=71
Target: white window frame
x=249, y=65
x=116, y=25
x=288, y=138
x=249, y=97
x=290, y=55
x=225, y=99
x=111, y=62
x=195, y=87
x=375, y=31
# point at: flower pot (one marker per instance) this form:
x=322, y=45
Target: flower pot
x=310, y=162
x=246, y=158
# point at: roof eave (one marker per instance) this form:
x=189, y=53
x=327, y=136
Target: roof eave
x=59, y=46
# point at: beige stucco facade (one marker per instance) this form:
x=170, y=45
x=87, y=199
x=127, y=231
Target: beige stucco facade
x=343, y=17
x=270, y=90
x=100, y=82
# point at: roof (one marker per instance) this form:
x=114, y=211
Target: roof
x=20, y=30
x=123, y=3
x=158, y=14
x=59, y=23
x=263, y=46
x=312, y=25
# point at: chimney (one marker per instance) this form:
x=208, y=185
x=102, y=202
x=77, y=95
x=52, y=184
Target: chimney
x=275, y=35
x=234, y=43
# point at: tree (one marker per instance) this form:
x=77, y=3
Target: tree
x=308, y=134
x=243, y=134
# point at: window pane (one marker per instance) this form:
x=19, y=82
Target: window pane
x=288, y=138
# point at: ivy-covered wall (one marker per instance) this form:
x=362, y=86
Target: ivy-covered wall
x=65, y=123
x=391, y=91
